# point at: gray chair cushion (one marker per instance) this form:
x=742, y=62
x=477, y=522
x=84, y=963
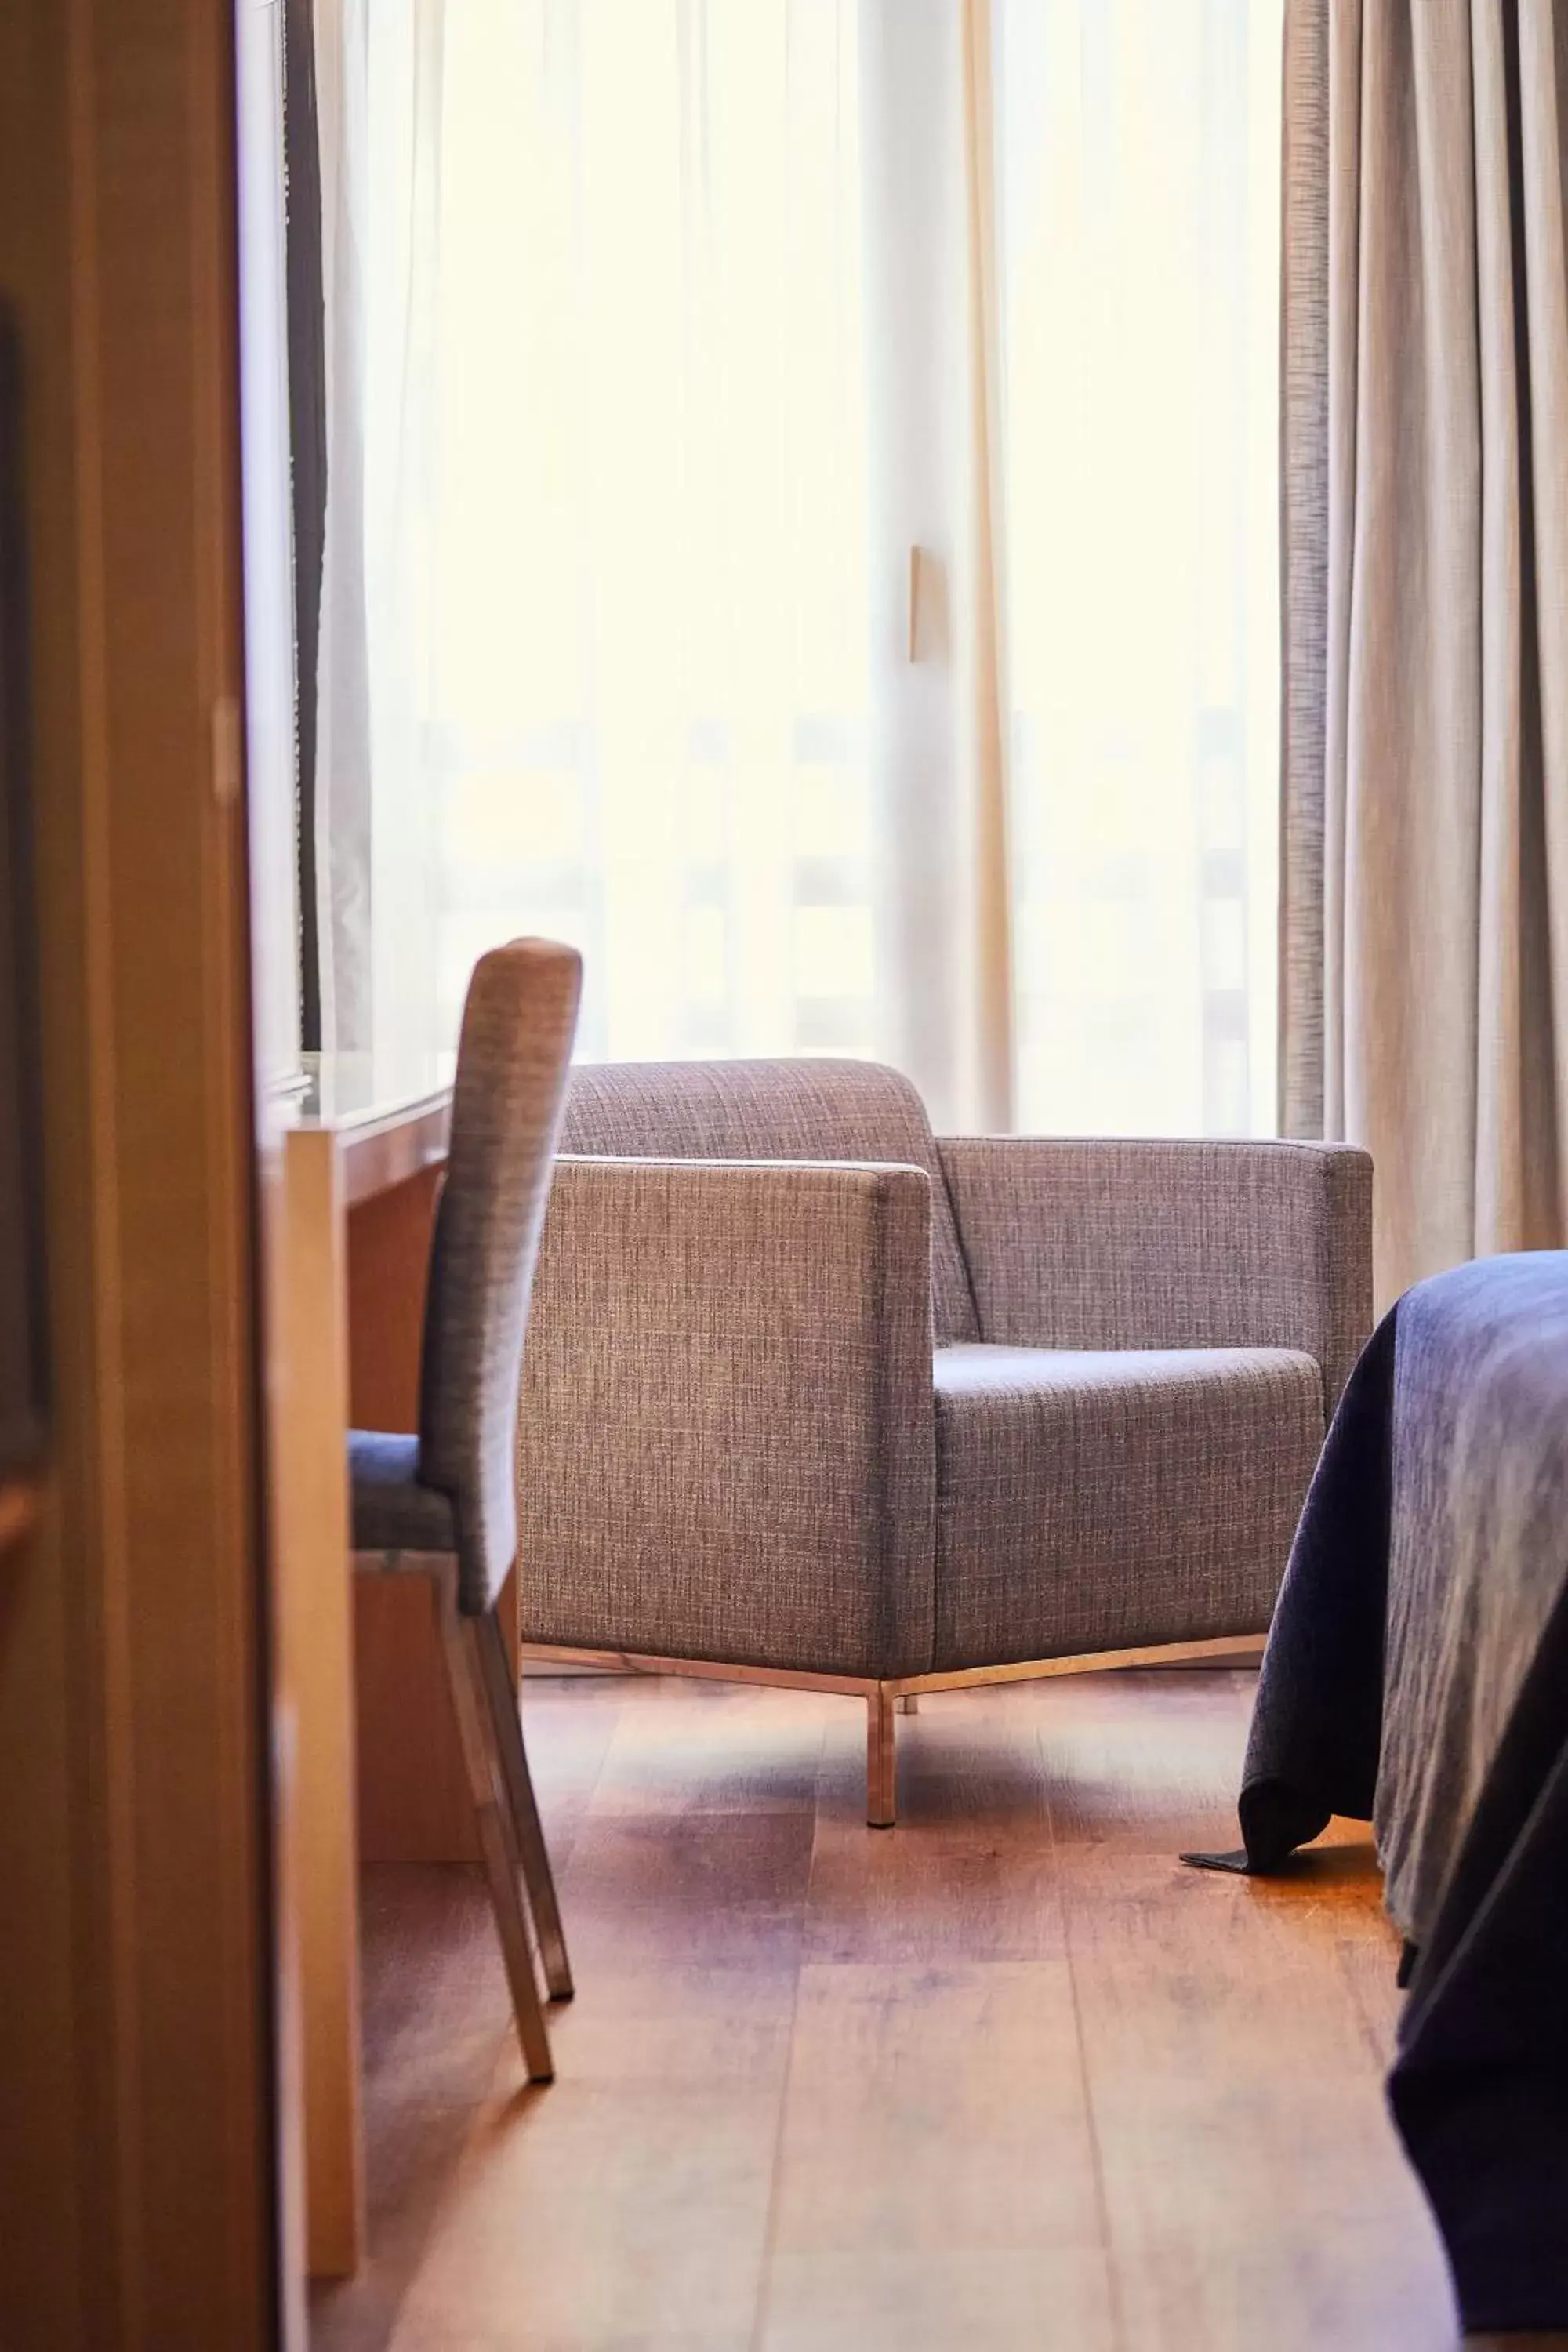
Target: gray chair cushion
x=389, y=1509
x=774, y=1110
x=1104, y=1501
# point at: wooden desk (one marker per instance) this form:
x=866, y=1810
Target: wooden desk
x=362, y=1155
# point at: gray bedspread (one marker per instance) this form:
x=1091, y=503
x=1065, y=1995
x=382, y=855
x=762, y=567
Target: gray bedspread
x=1477, y=1550
x=1416, y=1674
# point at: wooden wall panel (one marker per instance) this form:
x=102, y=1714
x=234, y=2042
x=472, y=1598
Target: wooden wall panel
x=136, y=2129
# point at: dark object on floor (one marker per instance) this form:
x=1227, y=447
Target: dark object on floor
x=1437, y=1511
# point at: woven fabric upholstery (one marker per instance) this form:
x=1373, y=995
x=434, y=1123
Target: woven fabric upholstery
x=794, y=1110
x=733, y=1445
x=1093, y=1501
x=390, y=1510
x=1132, y=1244
x=512, y=1056
x=726, y=1444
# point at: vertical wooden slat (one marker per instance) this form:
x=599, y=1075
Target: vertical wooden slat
x=137, y=2176
x=315, y=1630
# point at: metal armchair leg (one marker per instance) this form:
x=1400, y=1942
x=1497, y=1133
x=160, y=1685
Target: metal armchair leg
x=500, y=1694
x=881, y=1759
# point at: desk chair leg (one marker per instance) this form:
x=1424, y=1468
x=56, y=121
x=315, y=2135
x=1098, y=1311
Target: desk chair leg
x=502, y=1693
x=493, y=1815
x=881, y=1759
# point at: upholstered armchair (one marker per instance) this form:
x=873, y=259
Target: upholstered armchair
x=812, y=1398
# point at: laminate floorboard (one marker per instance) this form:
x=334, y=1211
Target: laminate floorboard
x=1007, y=2077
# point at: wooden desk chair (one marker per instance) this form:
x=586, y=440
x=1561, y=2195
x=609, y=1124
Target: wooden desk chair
x=443, y=1504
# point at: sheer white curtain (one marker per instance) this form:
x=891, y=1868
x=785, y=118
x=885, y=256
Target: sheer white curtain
x=1138, y=146
x=638, y=515
x=701, y=352
x=653, y=349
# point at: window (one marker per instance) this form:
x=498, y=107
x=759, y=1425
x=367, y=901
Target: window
x=1139, y=147
x=641, y=662
x=666, y=378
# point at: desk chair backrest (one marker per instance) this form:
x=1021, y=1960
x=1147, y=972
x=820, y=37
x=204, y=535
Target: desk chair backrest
x=512, y=1058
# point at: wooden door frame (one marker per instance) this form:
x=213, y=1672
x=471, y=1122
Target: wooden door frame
x=137, y=2042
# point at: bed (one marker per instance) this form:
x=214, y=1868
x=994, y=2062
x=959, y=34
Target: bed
x=1417, y=1675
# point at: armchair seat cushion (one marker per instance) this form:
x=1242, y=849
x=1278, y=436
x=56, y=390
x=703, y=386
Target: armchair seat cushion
x=390, y=1510
x=1106, y=1500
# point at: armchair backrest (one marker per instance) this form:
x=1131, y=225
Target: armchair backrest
x=774, y=1110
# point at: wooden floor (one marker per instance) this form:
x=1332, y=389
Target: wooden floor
x=1007, y=2076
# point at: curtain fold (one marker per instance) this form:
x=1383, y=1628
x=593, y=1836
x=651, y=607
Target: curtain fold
x=1303, y=560
x=1440, y=460
x=342, y=799
x=995, y=1085
x=935, y=698
x=306, y=331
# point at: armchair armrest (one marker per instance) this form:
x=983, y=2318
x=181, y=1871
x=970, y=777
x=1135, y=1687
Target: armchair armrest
x=727, y=1448
x=1111, y=1244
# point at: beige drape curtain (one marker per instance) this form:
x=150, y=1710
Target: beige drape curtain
x=1425, y=516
